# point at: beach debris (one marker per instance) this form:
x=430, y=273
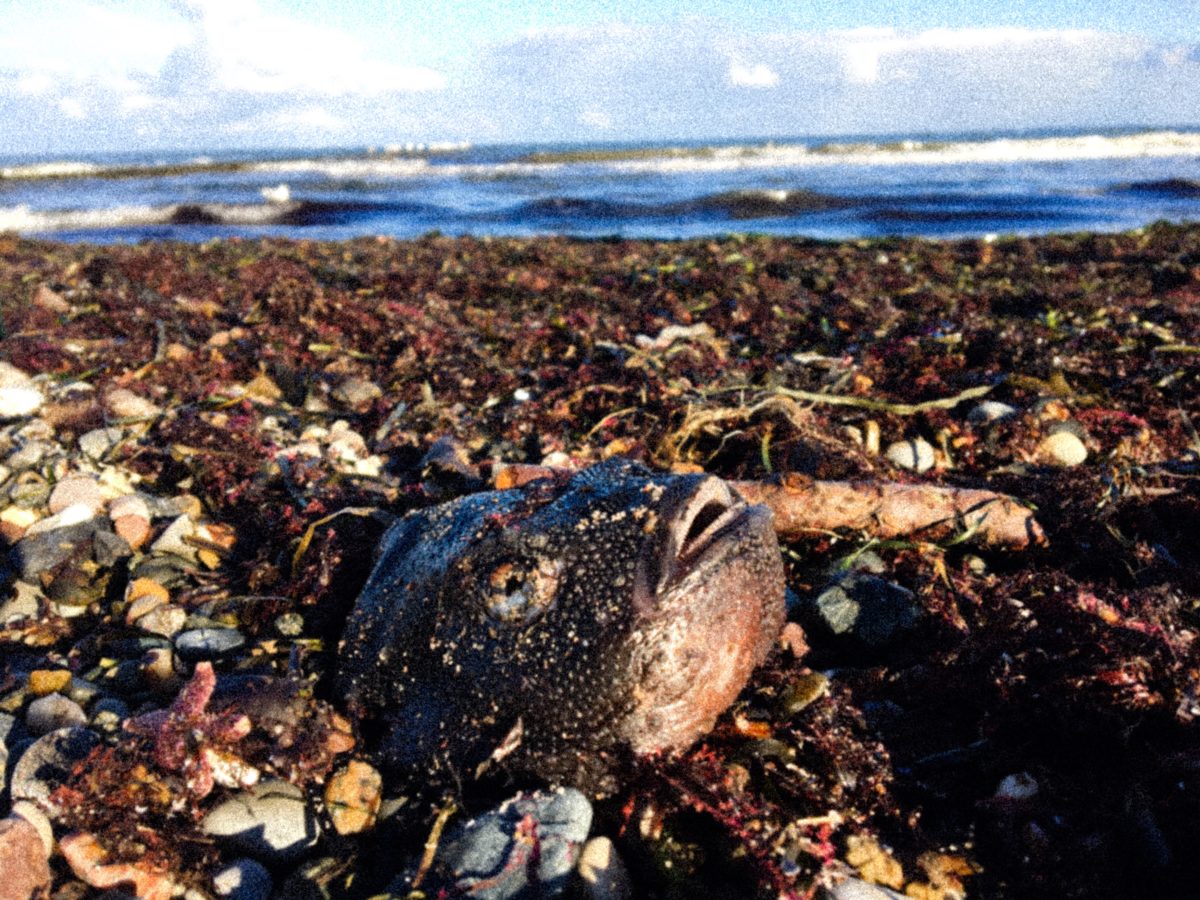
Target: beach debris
x=198, y=744
x=556, y=627
x=803, y=506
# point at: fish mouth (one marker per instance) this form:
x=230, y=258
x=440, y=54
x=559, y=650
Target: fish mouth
x=702, y=523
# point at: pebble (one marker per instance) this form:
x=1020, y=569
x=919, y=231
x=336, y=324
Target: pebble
x=48, y=681
x=143, y=595
x=76, y=490
x=19, y=401
x=11, y=376
x=270, y=822
x=357, y=392
x=602, y=873
x=857, y=889
x=352, y=797
x=1062, y=448
x=47, y=762
x=243, y=879
x=29, y=454
x=915, y=454
x=158, y=669
x=166, y=620
x=491, y=856
x=123, y=403
x=7, y=724
x=1019, y=787
x=99, y=442
x=35, y=817
x=24, y=603
x=872, y=611
x=52, y=712
x=134, y=530
x=173, y=540
x=129, y=505
x=108, y=715
x=45, y=297
x=208, y=643
x=40, y=551
x=990, y=411
x=18, y=518
x=26, y=871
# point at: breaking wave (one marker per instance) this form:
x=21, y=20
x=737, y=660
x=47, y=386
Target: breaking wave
x=292, y=212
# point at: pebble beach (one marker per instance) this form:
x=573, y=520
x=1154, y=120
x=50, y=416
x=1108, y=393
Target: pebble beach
x=202, y=443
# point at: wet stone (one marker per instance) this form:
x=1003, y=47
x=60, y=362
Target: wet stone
x=38, y=819
x=129, y=505
x=243, y=879
x=52, y=712
x=869, y=610
x=270, y=822
x=498, y=842
x=857, y=889
x=208, y=643
x=109, y=548
x=7, y=727
x=47, y=762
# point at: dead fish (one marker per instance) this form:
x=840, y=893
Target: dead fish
x=561, y=626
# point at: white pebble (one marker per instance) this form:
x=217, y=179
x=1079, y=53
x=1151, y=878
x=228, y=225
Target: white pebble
x=19, y=401
x=915, y=454
x=1062, y=448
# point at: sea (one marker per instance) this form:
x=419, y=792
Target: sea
x=947, y=186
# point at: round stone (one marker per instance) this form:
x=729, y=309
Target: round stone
x=991, y=411
x=915, y=454
x=492, y=861
x=166, y=620
x=1062, y=448
x=123, y=403
x=208, y=643
x=352, y=797
x=271, y=822
x=76, y=490
x=47, y=762
x=52, y=712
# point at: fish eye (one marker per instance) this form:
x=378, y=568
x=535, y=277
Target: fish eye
x=519, y=593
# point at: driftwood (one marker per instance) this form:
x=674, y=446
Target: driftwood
x=803, y=506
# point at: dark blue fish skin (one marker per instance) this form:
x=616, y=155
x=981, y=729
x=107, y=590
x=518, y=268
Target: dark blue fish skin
x=560, y=627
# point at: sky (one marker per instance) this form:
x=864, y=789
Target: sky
x=80, y=76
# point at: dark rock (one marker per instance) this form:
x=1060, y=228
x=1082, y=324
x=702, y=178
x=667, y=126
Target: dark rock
x=866, y=610
x=38, y=553
x=208, y=643
x=492, y=857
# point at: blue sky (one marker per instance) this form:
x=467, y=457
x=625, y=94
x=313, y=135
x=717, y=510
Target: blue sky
x=78, y=75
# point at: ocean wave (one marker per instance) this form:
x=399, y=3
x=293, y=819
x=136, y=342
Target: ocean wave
x=298, y=213
x=910, y=152
x=740, y=204
x=45, y=170
x=1178, y=188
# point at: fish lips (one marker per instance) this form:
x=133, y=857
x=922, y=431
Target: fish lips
x=709, y=610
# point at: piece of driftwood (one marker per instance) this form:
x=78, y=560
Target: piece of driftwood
x=803, y=506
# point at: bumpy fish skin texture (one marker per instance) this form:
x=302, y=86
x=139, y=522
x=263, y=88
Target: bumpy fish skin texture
x=564, y=625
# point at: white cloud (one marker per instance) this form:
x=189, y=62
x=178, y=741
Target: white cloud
x=755, y=76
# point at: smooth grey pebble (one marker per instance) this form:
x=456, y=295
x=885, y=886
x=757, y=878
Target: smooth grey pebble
x=208, y=643
x=270, y=822
x=52, y=712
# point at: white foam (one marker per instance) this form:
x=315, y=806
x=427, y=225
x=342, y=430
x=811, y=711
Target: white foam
x=24, y=219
